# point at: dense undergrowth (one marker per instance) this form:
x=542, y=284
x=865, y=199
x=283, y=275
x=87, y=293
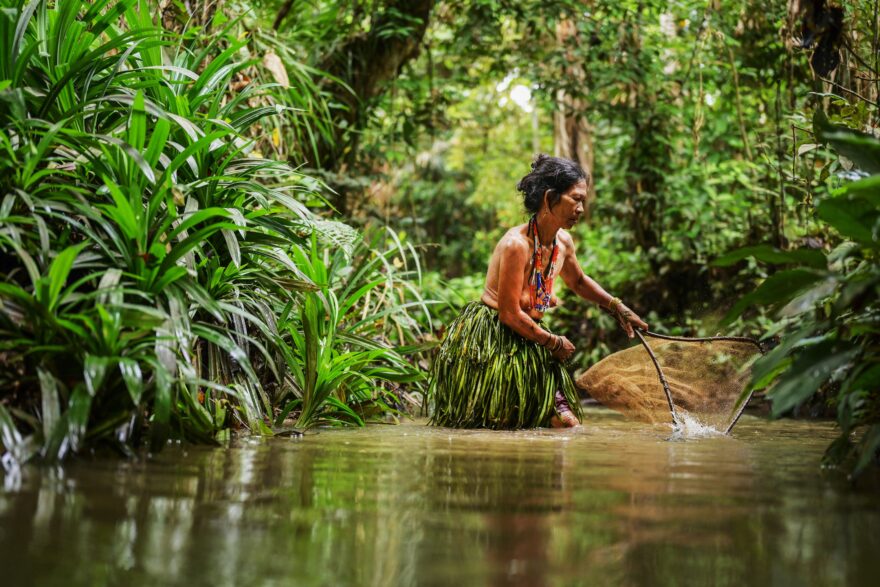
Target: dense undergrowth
x=824, y=301
x=160, y=278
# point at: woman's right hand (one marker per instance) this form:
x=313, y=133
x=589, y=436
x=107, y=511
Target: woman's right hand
x=565, y=350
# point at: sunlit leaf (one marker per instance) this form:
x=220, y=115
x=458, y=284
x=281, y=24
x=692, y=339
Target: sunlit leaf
x=95, y=372
x=133, y=378
x=58, y=272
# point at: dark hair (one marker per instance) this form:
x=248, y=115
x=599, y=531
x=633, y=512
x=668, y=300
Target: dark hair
x=548, y=173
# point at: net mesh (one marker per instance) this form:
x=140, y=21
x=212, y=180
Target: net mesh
x=706, y=381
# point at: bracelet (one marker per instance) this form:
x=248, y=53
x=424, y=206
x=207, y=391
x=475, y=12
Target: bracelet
x=546, y=342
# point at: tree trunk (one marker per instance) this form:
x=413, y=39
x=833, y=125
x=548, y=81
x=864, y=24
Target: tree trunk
x=572, y=135
x=366, y=63
x=648, y=158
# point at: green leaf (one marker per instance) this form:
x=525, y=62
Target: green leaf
x=196, y=218
x=852, y=218
x=190, y=243
x=122, y=214
x=201, y=145
x=160, y=425
x=137, y=124
x=21, y=29
x=158, y=140
x=809, y=371
x=859, y=383
x=95, y=371
x=168, y=276
x=133, y=378
x=339, y=406
x=58, y=272
x=350, y=301
x=285, y=411
x=232, y=246
x=50, y=404
x=770, y=363
x=806, y=302
x=78, y=412
x=134, y=154
x=20, y=448
x=867, y=189
x=768, y=254
x=777, y=289
x=868, y=449
x=13, y=292
x=861, y=148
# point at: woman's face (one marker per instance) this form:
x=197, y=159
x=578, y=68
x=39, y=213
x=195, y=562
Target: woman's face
x=571, y=204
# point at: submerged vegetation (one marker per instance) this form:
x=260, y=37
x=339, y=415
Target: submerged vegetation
x=222, y=215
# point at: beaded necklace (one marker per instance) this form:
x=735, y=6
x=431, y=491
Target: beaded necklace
x=540, y=285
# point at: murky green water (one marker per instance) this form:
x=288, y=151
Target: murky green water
x=614, y=503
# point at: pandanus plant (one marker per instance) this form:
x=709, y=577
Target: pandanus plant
x=144, y=254
x=337, y=350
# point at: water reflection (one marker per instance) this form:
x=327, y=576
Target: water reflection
x=613, y=503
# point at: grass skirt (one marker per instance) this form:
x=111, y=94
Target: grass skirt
x=488, y=376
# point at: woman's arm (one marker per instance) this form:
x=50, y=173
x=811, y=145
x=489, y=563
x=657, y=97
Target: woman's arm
x=584, y=286
x=578, y=281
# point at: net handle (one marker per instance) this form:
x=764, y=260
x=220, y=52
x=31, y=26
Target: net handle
x=660, y=374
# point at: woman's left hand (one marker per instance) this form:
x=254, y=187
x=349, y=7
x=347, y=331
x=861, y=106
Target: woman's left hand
x=628, y=319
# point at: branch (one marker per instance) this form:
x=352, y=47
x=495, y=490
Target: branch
x=858, y=58
x=849, y=91
x=282, y=14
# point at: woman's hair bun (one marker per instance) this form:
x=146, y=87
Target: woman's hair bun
x=548, y=173
x=539, y=158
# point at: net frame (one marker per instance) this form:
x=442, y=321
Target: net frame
x=663, y=382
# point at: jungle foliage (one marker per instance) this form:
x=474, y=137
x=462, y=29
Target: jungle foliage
x=171, y=265
x=825, y=301
x=697, y=121
x=159, y=276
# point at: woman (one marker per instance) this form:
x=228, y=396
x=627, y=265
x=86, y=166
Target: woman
x=498, y=366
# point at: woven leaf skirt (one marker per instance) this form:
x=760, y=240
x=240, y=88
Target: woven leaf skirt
x=488, y=376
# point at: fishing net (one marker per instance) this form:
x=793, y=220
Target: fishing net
x=682, y=380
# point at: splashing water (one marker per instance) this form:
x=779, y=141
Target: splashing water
x=687, y=426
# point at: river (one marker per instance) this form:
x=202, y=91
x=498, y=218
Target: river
x=610, y=503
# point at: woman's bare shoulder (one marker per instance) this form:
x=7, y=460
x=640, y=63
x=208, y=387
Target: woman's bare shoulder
x=565, y=238
x=514, y=242
x=568, y=249
x=515, y=237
